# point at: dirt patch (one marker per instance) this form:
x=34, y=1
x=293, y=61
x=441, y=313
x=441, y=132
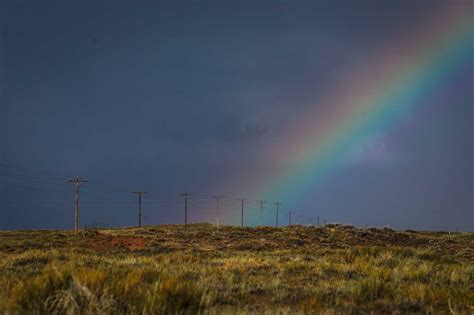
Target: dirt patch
x=226, y=238
x=130, y=242
x=102, y=242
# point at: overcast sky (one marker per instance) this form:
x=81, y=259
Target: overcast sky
x=184, y=95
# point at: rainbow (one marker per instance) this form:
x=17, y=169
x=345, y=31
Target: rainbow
x=374, y=97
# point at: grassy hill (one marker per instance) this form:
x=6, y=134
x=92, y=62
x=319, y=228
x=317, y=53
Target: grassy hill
x=201, y=269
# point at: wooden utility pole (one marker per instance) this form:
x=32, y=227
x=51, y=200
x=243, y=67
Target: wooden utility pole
x=289, y=217
x=139, y=193
x=300, y=216
x=277, y=208
x=78, y=181
x=242, y=200
x=185, y=195
x=218, y=198
x=261, y=211
x=318, y=221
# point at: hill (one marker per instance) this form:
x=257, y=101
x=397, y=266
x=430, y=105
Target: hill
x=170, y=269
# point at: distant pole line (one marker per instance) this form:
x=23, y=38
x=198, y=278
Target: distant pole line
x=277, y=208
x=261, y=211
x=78, y=181
x=139, y=193
x=185, y=195
x=242, y=200
x=218, y=198
x=22, y=178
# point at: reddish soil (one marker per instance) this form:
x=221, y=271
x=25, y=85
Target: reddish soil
x=102, y=242
x=207, y=238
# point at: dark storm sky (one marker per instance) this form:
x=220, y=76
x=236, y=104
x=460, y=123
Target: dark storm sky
x=174, y=96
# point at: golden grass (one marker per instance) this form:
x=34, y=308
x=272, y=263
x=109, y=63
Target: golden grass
x=305, y=273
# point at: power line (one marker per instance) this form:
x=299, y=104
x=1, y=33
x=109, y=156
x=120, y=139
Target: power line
x=242, y=200
x=139, y=193
x=185, y=195
x=277, y=206
x=99, y=193
x=289, y=217
x=261, y=211
x=78, y=181
x=45, y=175
x=217, y=198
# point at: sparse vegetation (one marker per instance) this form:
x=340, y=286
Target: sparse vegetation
x=167, y=269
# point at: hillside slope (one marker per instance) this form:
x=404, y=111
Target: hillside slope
x=169, y=269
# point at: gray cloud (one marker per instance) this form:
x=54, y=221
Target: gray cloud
x=235, y=129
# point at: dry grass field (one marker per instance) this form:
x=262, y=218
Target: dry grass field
x=170, y=270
